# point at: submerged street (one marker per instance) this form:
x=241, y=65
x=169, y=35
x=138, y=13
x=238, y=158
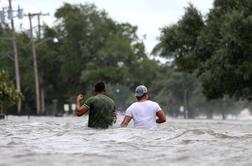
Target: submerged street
x=67, y=141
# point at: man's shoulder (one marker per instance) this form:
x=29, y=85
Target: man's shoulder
x=90, y=98
x=152, y=102
x=133, y=105
x=106, y=98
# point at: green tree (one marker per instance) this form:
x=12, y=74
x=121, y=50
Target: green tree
x=179, y=41
x=226, y=42
x=6, y=61
x=218, y=50
x=8, y=93
x=94, y=47
x=91, y=47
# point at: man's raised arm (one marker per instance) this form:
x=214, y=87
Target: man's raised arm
x=80, y=110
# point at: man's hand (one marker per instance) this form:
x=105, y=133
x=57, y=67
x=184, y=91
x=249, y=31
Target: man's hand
x=114, y=117
x=79, y=97
x=80, y=110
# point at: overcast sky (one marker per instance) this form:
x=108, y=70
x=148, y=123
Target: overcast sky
x=148, y=15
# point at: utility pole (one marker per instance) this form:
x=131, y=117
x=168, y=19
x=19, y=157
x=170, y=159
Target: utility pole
x=39, y=27
x=10, y=12
x=39, y=24
x=185, y=104
x=42, y=100
x=39, y=37
x=35, y=65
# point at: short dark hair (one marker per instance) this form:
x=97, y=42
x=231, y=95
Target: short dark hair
x=139, y=98
x=100, y=87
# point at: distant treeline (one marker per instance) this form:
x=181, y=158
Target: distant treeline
x=210, y=71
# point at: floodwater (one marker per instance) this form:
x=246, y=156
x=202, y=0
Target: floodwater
x=67, y=141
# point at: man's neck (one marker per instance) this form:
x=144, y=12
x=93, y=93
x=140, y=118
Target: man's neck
x=143, y=99
x=101, y=93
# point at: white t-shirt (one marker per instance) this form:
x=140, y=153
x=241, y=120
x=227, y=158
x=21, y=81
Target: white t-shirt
x=144, y=114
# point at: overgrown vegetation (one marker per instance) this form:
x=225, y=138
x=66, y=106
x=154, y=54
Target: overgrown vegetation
x=210, y=72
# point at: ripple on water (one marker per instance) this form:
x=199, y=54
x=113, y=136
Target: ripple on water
x=67, y=141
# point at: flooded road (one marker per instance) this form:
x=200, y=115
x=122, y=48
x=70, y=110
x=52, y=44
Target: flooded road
x=67, y=141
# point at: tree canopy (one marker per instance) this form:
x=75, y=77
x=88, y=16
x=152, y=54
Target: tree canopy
x=210, y=55
x=91, y=47
x=217, y=50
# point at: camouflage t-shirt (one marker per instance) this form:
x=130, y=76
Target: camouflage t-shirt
x=101, y=111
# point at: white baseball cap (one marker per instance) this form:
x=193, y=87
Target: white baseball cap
x=140, y=90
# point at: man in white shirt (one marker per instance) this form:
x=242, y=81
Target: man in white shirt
x=145, y=113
